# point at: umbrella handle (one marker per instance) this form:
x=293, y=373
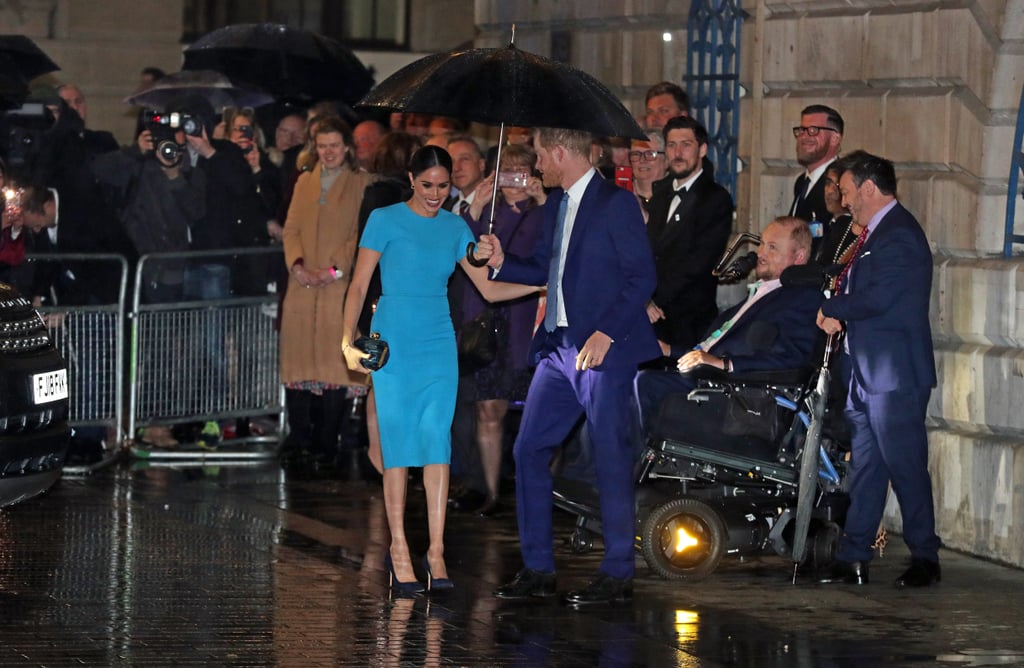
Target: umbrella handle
x=470, y=247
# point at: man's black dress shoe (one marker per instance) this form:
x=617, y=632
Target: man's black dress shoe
x=847, y=572
x=922, y=572
x=527, y=583
x=604, y=589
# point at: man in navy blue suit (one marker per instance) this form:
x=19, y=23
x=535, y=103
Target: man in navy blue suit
x=883, y=302
x=594, y=256
x=772, y=329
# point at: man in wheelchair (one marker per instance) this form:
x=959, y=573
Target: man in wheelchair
x=721, y=469
x=773, y=329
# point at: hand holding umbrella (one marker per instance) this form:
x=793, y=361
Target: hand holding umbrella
x=505, y=86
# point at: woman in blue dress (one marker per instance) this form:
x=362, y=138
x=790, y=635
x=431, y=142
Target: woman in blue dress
x=417, y=245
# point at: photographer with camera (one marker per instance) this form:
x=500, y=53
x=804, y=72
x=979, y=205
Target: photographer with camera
x=232, y=219
x=158, y=197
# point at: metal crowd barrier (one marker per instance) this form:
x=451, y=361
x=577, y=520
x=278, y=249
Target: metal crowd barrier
x=205, y=357
x=90, y=337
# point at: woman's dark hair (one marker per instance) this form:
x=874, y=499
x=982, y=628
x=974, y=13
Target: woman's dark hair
x=427, y=157
x=393, y=154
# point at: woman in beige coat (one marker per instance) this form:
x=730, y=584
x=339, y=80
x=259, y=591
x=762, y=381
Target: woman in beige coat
x=320, y=239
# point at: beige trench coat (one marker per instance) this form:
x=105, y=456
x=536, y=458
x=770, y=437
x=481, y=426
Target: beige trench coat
x=323, y=236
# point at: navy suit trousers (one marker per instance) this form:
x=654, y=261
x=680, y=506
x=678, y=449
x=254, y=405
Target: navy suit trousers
x=558, y=395
x=889, y=443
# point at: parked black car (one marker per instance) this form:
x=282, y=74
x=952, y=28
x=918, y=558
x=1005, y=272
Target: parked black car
x=34, y=429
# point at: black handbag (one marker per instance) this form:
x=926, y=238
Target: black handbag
x=478, y=340
x=377, y=349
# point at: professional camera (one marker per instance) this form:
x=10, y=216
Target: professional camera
x=174, y=121
x=163, y=127
x=21, y=130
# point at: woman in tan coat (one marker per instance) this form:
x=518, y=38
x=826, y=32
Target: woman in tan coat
x=320, y=239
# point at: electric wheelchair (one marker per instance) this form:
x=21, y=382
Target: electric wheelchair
x=741, y=465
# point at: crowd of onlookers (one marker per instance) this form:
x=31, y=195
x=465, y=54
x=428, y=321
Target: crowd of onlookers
x=307, y=179
x=228, y=179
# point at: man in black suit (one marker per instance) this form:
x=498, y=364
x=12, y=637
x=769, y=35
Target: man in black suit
x=689, y=225
x=819, y=139
x=97, y=142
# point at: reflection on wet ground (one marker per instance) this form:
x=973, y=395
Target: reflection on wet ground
x=249, y=566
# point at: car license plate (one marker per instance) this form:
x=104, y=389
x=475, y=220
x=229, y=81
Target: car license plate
x=50, y=386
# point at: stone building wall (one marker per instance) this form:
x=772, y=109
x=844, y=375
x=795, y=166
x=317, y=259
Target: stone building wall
x=101, y=47
x=932, y=85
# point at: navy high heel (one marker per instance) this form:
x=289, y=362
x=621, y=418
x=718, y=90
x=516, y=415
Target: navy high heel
x=396, y=585
x=435, y=583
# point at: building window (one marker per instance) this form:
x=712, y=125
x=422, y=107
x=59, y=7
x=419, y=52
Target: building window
x=359, y=24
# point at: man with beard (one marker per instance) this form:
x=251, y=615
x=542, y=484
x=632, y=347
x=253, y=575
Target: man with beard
x=773, y=328
x=689, y=225
x=882, y=303
x=819, y=138
x=597, y=266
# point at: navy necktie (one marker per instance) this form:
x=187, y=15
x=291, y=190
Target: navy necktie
x=551, y=310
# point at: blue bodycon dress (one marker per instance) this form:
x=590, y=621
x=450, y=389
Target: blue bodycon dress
x=416, y=388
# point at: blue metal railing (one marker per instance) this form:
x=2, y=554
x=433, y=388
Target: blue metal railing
x=1016, y=166
x=712, y=80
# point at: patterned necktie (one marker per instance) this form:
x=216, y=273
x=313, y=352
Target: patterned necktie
x=463, y=207
x=555, y=268
x=853, y=258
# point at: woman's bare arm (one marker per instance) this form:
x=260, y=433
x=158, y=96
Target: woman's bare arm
x=495, y=291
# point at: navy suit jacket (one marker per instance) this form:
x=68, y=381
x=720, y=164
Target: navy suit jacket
x=886, y=309
x=608, y=275
x=777, y=332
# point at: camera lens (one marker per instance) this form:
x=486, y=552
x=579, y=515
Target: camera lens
x=169, y=151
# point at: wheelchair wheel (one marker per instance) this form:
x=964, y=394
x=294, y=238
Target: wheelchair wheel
x=823, y=546
x=580, y=542
x=684, y=539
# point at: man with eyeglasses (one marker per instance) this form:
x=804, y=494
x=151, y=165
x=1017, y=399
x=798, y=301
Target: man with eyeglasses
x=819, y=138
x=647, y=158
x=688, y=227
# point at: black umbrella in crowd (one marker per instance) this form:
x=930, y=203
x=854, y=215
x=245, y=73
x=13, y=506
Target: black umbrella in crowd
x=289, y=63
x=20, y=62
x=215, y=87
x=505, y=86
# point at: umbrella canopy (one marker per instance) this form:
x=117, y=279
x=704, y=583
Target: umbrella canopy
x=20, y=62
x=505, y=85
x=20, y=55
x=214, y=86
x=288, y=62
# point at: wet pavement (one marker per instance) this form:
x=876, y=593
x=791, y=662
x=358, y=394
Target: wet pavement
x=250, y=566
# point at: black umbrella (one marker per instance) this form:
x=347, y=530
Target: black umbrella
x=289, y=63
x=505, y=86
x=20, y=55
x=807, y=489
x=20, y=62
x=214, y=86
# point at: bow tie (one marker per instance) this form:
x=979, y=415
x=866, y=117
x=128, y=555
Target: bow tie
x=681, y=193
